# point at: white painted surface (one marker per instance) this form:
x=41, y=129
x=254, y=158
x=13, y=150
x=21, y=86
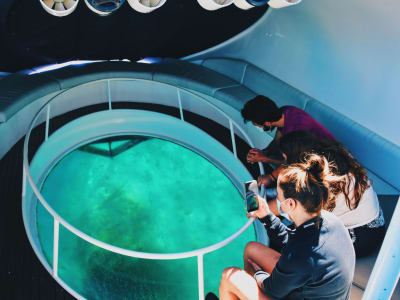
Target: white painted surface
x=343, y=53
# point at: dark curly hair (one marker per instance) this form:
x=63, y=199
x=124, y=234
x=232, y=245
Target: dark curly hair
x=261, y=109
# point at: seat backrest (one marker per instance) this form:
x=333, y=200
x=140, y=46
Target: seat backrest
x=18, y=90
x=259, y=81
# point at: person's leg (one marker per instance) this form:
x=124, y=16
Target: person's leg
x=367, y=239
x=262, y=255
x=238, y=284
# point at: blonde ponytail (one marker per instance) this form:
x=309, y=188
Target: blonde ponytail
x=309, y=182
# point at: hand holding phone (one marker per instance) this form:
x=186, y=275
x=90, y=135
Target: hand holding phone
x=256, y=205
x=251, y=195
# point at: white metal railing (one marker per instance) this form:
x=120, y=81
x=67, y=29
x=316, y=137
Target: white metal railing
x=157, y=256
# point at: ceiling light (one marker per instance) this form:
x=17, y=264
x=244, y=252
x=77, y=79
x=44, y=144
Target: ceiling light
x=104, y=7
x=59, y=8
x=214, y=4
x=282, y=3
x=146, y=6
x=247, y=4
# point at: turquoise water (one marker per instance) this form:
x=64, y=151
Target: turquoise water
x=150, y=195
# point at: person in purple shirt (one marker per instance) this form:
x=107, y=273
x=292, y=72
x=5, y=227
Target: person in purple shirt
x=266, y=115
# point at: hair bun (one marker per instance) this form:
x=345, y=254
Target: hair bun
x=315, y=165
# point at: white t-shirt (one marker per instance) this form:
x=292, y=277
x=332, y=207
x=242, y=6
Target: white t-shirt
x=366, y=211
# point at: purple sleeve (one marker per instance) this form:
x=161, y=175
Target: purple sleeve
x=298, y=119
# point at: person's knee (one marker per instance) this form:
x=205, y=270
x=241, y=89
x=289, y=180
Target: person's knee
x=227, y=273
x=250, y=248
x=226, y=282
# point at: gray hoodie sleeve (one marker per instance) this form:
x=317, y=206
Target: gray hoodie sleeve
x=276, y=229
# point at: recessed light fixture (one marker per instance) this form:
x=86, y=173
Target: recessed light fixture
x=247, y=4
x=59, y=8
x=146, y=6
x=104, y=7
x=214, y=4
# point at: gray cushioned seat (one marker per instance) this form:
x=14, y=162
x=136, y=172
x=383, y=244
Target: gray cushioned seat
x=18, y=90
x=74, y=75
x=235, y=96
x=276, y=89
x=231, y=68
x=191, y=76
x=259, y=81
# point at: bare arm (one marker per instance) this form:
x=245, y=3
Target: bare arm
x=257, y=155
x=269, y=178
x=276, y=162
x=275, y=173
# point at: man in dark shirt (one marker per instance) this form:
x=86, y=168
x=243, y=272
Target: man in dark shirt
x=265, y=114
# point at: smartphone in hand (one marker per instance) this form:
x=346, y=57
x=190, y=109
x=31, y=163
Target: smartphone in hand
x=251, y=193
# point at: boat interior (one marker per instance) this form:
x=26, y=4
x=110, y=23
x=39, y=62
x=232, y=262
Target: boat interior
x=336, y=60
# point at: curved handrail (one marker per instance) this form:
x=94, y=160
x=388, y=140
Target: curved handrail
x=146, y=255
x=106, y=245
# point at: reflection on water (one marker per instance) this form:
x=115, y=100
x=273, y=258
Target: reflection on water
x=154, y=196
